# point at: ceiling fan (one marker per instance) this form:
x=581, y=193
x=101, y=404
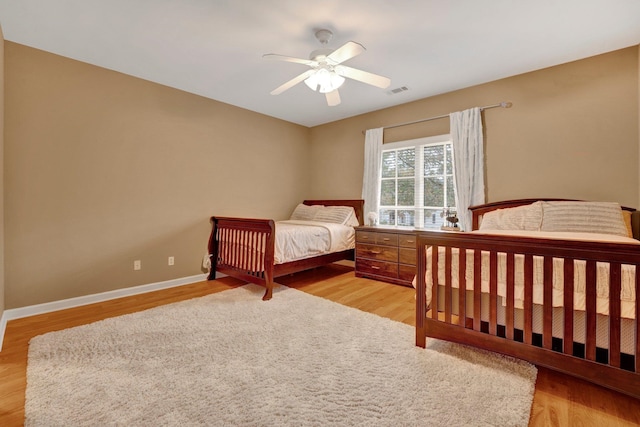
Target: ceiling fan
x=327, y=73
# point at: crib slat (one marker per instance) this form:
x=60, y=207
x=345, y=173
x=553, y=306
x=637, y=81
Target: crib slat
x=220, y=238
x=242, y=250
x=222, y=245
x=253, y=253
x=462, y=286
x=239, y=249
x=249, y=251
x=434, y=281
x=262, y=238
x=229, y=245
x=528, y=299
x=590, y=292
x=447, y=285
x=614, y=313
x=233, y=247
x=256, y=256
x=493, y=293
x=568, y=306
x=510, y=296
x=224, y=239
x=477, y=287
x=547, y=306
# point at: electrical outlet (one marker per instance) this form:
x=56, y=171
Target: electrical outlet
x=137, y=264
x=171, y=260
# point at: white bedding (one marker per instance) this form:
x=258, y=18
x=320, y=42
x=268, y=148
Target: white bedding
x=297, y=240
x=628, y=296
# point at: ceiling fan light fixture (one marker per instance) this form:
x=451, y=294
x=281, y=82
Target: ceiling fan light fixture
x=326, y=73
x=324, y=81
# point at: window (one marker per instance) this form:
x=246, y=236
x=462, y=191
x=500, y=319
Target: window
x=416, y=182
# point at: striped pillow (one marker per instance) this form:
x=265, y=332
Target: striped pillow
x=583, y=217
x=526, y=217
x=336, y=214
x=304, y=212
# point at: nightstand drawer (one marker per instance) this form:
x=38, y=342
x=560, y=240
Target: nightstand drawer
x=379, y=268
x=377, y=238
x=378, y=252
x=407, y=256
x=406, y=272
x=407, y=241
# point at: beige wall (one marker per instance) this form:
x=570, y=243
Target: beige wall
x=572, y=132
x=103, y=169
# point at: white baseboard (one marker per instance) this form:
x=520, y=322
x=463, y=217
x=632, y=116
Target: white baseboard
x=33, y=310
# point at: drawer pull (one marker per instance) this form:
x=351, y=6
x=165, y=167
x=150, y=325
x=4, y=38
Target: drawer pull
x=376, y=252
x=375, y=267
x=411, y=241
x=386, y=239
x=365, y=237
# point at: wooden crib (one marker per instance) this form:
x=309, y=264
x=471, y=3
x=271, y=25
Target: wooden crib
x=486, y=318
x=244, y=248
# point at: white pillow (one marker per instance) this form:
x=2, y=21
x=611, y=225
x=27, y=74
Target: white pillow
x=344, y=215
x=584, y=217
x=527, y=217
x=304, y=212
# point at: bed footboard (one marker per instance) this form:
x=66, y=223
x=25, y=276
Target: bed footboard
x=458, y=315
x=243, y=248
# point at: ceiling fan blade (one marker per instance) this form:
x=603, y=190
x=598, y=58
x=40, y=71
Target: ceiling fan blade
x=289, y=59
x=363, y=76
x=346, y=51
x=294, y=81
x=333, y=98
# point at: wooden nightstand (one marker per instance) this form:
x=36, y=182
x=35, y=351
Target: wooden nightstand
x=386, y=253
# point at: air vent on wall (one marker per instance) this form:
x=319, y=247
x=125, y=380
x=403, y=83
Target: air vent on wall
x=398, y=90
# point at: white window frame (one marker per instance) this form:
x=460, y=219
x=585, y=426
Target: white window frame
x=418, y=145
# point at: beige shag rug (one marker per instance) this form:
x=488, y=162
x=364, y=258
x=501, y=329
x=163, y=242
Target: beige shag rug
x=232, y=359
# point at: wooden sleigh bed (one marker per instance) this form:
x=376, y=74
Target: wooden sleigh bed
x=245, y=248
x=540, y=299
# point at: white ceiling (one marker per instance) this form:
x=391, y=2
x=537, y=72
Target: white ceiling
x=214, y=48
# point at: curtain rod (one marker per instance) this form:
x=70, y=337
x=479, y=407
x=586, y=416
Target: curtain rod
x=506, y=104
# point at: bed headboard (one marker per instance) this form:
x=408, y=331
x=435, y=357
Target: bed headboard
x=479, y=210
x=356, y=204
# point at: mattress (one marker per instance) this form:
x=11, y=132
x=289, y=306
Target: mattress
x=628, y=297
x=296, y=240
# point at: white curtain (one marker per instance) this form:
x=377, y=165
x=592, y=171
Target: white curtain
x=468, y=155
x=371, y=178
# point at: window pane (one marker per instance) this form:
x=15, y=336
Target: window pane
x=434, y=191
x=406, y=217
x=387, y=217
x=432, y=218
x=402, y=181
x=434, y=160
x=389, y=164
x=407, y=162
x=451, y=195
x=449, y=159
x=388, y=192
x=406, y=191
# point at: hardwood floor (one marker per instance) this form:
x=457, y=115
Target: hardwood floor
x=559, y=400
